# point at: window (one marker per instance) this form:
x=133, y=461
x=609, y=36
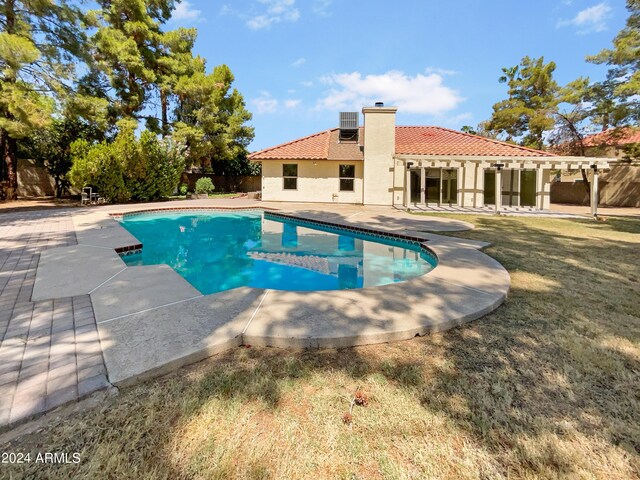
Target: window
x=347, y=174
x=290, y=175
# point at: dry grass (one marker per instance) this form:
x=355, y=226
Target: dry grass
x=548, y=386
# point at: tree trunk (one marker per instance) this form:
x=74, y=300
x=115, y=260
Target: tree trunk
x=10, y=166
x=165, y=106
x=10, y=16
x=579, y=144
x=585, y=178
x=8, y=145
x=58, y=187
x=585, y=181
x=2, y=175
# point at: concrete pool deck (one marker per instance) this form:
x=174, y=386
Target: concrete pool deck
x=151, y=321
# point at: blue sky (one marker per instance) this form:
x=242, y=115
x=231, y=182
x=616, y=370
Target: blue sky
x=300, y=62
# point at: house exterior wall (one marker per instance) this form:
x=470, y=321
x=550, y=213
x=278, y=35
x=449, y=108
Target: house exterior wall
x=609, y=151
x=316, y=183
x=471, y=180
x=383, y=177
x=379, y=149
x=511, y=187
x=399, y=178
x=471, y=185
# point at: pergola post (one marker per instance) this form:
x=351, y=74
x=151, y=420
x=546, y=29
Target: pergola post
x=498, y=186
x=539, y=188
x=423, y=185
x=407, y=185
x=594, y=191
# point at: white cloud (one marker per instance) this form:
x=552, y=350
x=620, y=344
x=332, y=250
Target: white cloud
x=299, y=62
x=440, y=71
x=292, y=102
x=306, y=84
x=276, y=11
x=321, y=7
x=265, y=103
x=185, y=11
x=592, y=19
x=424, y=94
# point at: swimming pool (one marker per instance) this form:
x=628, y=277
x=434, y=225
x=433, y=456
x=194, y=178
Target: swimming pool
x=217, y=251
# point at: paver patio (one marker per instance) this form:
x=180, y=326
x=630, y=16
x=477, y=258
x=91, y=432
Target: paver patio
x=49, y=351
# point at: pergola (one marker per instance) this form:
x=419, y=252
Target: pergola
x=468, y=177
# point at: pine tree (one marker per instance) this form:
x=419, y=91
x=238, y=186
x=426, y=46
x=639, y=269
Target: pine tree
x=625, y=56
x=175, y=60
x=211, y=116
x=529, y=110
x=127, y=47
x=40, y=41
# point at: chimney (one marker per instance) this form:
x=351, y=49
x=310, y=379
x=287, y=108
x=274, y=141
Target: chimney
x=379, y=150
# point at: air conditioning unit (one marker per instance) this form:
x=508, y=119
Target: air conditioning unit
x=349, y=124
x=349, y=121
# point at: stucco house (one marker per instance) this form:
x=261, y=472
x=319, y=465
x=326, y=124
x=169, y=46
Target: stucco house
x=380, y=163
x=611, y=143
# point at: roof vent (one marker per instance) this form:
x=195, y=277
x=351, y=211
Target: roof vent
x=349, y=123
x=379, y=104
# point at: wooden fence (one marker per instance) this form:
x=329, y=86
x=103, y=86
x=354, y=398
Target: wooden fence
x=226, y=183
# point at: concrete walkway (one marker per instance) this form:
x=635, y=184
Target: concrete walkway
x=585, y=211
x=556, y=211
x=148, y=320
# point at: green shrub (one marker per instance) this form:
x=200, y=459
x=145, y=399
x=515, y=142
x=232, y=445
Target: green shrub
x=137, y=174
x=110, y=182
x=183, y=189
x=98, y=167
x=128, y=168
x=204, y=185
x=168, y=163
x=83, y=167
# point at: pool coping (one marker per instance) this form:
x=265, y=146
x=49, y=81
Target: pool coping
x=465, y=285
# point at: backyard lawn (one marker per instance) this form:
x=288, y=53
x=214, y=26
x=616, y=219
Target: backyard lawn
x=547, y=386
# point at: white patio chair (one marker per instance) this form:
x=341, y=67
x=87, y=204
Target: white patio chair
x=86, y=196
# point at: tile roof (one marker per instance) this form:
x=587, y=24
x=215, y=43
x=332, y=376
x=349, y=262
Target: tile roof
x=313, y=147
x=345, y=150
x=613, y=136
x=443, y=141
x=409, y=141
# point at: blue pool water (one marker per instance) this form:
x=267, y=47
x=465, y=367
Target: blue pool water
x=223, y=250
